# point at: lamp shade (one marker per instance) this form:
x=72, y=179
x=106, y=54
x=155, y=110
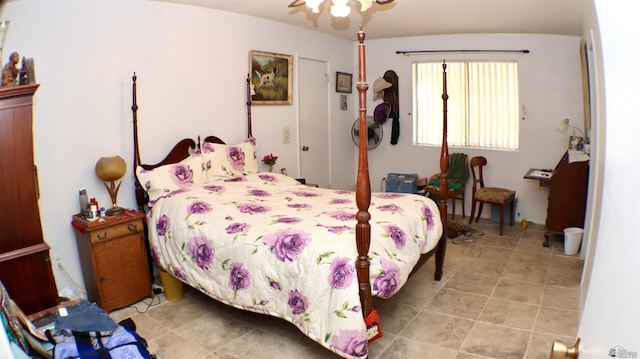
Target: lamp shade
x=563, y=126
x=111, y=168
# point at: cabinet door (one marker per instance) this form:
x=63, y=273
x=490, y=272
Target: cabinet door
x=122, y=271
x=20, y=221
x=29, y=280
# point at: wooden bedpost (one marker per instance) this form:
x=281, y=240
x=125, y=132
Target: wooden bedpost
x=444, y=177
x=249, y=93
x=363, y=188
x=140, y=193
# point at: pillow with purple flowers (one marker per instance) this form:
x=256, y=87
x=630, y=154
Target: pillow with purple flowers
x=164, y=180
x=229, y=160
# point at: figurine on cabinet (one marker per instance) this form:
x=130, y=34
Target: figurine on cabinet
x=10, y=72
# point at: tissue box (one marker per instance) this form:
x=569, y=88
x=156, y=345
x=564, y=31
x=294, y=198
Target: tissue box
x=402, y=182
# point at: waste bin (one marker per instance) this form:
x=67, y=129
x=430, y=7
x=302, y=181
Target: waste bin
x=572, y=240
x=172, y=286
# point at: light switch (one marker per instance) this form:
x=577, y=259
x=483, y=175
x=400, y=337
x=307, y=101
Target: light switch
x=285, y=135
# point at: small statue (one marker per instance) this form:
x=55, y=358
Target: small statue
x=10, y=72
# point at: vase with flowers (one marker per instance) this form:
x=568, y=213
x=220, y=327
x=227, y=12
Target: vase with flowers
x=270, y=160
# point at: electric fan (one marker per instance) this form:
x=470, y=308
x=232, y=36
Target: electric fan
x=374, y=133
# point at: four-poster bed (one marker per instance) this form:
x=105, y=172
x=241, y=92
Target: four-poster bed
x=284, y=249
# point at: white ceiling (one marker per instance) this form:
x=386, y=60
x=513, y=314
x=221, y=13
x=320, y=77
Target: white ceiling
x=421, y=17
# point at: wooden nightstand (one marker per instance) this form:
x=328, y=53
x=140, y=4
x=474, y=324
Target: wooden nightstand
x=114, y=259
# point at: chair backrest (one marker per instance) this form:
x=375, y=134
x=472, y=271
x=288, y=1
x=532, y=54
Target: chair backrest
x=477, y=163
x=458, y=168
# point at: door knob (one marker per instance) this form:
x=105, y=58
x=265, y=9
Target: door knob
x=305, y=148
x=560, y=350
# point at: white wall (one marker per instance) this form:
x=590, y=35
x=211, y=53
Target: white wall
x=191, y=65
x=550, y=90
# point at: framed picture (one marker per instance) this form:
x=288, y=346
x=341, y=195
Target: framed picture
x=272, y=78
x=344, y=105
x=343, y=82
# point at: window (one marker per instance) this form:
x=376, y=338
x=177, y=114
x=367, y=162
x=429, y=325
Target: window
x=482, y=109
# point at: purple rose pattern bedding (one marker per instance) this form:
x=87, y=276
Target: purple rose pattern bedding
x=265, y=243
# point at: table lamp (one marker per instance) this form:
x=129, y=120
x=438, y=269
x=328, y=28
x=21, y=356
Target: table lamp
x=575, y=142
x=110, y=170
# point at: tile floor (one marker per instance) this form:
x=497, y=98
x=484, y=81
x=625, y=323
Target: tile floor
x=501, y=297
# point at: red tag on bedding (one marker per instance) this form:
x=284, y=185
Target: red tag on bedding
x=374, y=330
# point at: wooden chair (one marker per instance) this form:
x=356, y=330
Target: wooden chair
x=458, y=175
x=491, y=195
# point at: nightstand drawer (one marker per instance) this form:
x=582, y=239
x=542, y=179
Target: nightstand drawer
x=115, y=231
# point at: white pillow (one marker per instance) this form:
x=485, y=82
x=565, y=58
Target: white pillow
x=229, y=160
x=164, y=180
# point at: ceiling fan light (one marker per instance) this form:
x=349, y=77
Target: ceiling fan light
x=313, y=5
x=340, y=8
x=365, y=4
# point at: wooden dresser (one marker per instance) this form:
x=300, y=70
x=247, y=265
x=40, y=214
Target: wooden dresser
x=567, y=197
x=114, y=262
x=25, y=265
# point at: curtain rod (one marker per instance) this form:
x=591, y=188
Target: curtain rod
x=407, y=53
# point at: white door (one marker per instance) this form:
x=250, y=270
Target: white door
x=610, y=323
x=314, y=122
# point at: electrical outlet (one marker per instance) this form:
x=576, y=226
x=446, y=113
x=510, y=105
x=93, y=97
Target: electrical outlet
x=157, y=289
x=286, y=138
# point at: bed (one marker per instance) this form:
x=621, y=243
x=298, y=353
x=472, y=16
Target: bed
x=266, y=243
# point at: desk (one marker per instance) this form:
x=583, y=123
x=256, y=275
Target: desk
x=544, y=176
x=567, y=195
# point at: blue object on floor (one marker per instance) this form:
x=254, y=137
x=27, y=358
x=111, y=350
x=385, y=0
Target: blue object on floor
x=85, y=316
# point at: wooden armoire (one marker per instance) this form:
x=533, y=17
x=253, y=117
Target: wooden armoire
x=25, y=264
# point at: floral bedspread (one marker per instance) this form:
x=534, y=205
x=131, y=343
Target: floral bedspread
x=265, y=243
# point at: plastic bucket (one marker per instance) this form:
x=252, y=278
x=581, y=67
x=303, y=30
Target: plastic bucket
x=572, y=240
x=172, y=286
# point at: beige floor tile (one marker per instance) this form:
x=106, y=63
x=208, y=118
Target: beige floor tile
x=403, y=348
x=533, y=232
x=462, y=304
x=525, y=273
x=472, y=283
x=496, y=341
x=176, y=314
x=147, y=327
x=557, y=321
x=500, y=241
x=562, y=262
x=540, y=345
x=532, y=259
x=463, y=355
x=492, y=253
x=395, y=316
x=533, y=245
x=482, y=266
x=558, y=297
x=568, y=278
x=438, y=329
x=510, y=314
x=518, y=291
x=260, y=344
x=171, y=345
x=219, y=331
x=381, y=344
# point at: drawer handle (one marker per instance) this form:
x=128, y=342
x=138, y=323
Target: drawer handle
x=133, y=227
x=102, y=235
